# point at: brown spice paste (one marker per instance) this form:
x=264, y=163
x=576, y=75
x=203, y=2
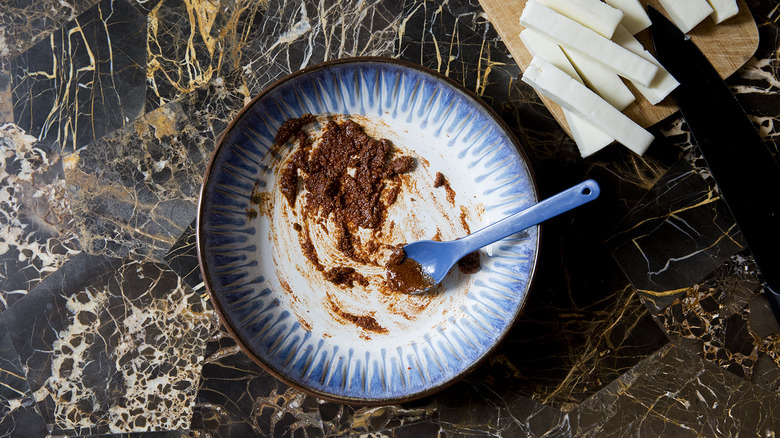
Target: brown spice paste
x=469, y=264
x=441, y=181
x=366, y=322
x=259, y=198
x=348, y=177
x=345, y=275
x=344, y=175
x=405, y=275
x=292, y=127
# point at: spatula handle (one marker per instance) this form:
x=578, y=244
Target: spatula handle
x=562, y=202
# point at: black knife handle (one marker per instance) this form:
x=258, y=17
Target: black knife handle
x=746, y=172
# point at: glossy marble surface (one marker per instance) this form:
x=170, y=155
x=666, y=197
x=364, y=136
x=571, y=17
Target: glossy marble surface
x=646, y=317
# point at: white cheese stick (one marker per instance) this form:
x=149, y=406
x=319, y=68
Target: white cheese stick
x=570, y=33
x=577, y=98
x=589, y=139
x=663, y=84
x=635, y=17
x=600, y=79
x=724, y=9
x=593, y=14
x=624, y=37
x=686, y=14
x=539, y=44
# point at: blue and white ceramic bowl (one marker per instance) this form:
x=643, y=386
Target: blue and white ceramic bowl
x=299, y=326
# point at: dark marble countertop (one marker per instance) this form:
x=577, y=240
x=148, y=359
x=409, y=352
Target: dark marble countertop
x=646, y=318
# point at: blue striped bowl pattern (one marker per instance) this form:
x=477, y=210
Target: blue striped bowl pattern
x=239, y=274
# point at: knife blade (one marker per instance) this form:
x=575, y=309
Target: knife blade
x=739, y=160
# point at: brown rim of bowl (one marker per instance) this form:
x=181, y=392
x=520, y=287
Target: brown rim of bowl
x=207, y=278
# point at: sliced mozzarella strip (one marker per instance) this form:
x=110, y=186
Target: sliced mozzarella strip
x=577, y=98
x=541, y=45
x=589, y=139
x=593, y=14
x=663, y=84
x=635, y=17
x=570, y=33
x=605, y=82
x=686, y=14
x=625, y=39
x=724, y=9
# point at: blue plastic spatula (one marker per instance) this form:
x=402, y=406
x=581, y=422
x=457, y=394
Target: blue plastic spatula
x=437, y=258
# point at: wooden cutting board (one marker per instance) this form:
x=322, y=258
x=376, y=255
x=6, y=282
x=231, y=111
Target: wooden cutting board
x=728, y=46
